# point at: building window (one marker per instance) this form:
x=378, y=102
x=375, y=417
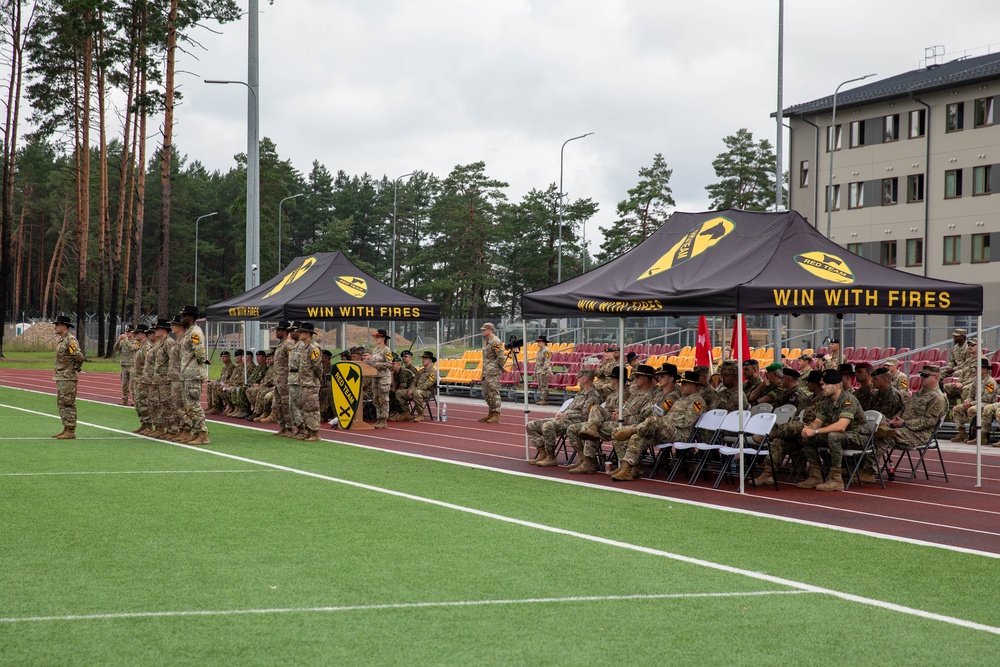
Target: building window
x=981, y=180
x=836, y=198
x=856, y=195
x=914, y=188
x=954, y=117
x=952, y=183
x=984, y=112
x=980, y=248
x=953, y=250
x=888, y=253
x=902, y=331
x=890, y=191
x=804, y=174
x=854, y=247
x=890, y=131
x=914, y=252
x=857, y=133
x=834, y=138
x=918, y=121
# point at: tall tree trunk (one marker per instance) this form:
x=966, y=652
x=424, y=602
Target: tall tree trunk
x=140, y=192
x=9, y=155
x=165, y=161
x=21, y=254
x=102, y=196
x=83, y=190
x=54, y=265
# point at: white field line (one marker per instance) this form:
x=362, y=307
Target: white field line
x=610, y=489
x=398, y=605
x=760, y=576
x=130, y=472
x=54, y=442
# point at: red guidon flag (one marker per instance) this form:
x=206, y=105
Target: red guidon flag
x=703, y=349
x=746, y=343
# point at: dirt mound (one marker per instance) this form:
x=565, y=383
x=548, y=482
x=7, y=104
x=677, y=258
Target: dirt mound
x=39, y=336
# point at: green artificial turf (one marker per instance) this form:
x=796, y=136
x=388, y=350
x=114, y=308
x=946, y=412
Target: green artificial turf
x=233, y=535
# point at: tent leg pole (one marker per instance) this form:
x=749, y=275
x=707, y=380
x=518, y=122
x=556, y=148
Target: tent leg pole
x=979, y=407
x=739, y=363
x=524, y=378
x=622, y=377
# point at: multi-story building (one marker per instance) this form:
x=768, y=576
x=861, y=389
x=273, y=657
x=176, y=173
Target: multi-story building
x=916, y=165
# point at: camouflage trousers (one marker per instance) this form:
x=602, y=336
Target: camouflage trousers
x=786, y=439
x=140, y=399
x=837, y=443
x=397, y=402
x=126, y=376
x=326, y=412
x=152, y=403
x=255, y=397
x=542, y=433
x=214, y=396
x=380, y=397
x=168, y=414
x=543, y=385
x=308, y=408
x=238, y=396
x=649, y=433
x=953, y=392
x=282, y=406
x=294, y=403
x=194, y=414
x=961, y=414
x=177, y=405
x=989, y=414
x=491, y=391
x=66, y=400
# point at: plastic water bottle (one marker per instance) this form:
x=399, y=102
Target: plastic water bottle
x=890, y=470
x=444, y=412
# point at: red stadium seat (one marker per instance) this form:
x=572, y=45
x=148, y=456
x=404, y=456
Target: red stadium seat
x=874, y=354
x=859, y=354
x=915, y=382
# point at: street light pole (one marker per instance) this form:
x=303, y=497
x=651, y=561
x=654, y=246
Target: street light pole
x=301, y=194
x=561, y=150
x=395, y=188
x=200, y=218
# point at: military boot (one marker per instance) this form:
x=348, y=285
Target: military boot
x=587, y=466
x=380, y=423
x=156, y=433
x=624, y=473
x=419, y=418
x=549, y=461
x=540, y=456
x=590, y=433
x=483, y=420
x=311, y=436
x=765, y=478
x=200, y=438
x=625, y=433
x=68, y=434
x=815, y=478
x=835, y=483
x=212, y=411
x=59, y=433
x=962, y=435
x=493, y=418
x=269, y=418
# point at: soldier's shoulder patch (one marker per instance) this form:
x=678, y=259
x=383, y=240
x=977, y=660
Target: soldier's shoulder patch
x=196, y=339
x=698, y=406
x=846, y=403
x=904, y=383
x=315, y=354
x=667, y=404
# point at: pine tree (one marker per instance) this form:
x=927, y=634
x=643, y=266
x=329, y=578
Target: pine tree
x=746, y=173
x=642, y=213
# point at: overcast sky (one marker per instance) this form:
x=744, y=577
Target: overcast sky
x=386, y=87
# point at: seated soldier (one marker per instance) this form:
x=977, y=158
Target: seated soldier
x=423, y=386
x=709, y=396
x=766, y=391
x=751, y=376
x=403, y=379
x=543, y=432
x=921, y=413
x=847, y=372
x=786, y=439
x=897, y=378
x=666, y=377
x=865, y=391
x=676, y=425
x=729, y=395
x=968, y=404
x=885, y=398
x=839, y=424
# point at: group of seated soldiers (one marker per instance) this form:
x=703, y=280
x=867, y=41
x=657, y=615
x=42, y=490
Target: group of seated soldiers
x=663, y=406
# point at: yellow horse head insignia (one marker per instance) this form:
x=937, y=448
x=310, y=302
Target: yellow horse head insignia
x=826, y=266
x=695, y=242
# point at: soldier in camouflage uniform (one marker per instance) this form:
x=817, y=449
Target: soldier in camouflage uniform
x=898, y=379
x=920, y=416
x=262, y=396
x=709, y=396
x=140, y=397
x=403, y=380
x=961, y=363
x=751, y=376
x=729, y=395
x=542, y=433
x=589, y=449
x=166, y=415
x=608, y=361
x=381, y=359
x=181, y=426
x=215, y=404
x=602, y=422
x=294, y=389
x=865, y=391
x=424, y=385
x=282, y=407
x=543, y=369
x=789, y=392
x=769, y=386
x=238, y=385
x=69, y=358
x=966, y=409
x=666, y=377
x=494, y=360
x=831, y=360
x=839, y=424
x=194, y=373
x=310, y=373
x=885, y=399
x=786, y=439
x=151, y=387
x=126, y=347
x=676, y=425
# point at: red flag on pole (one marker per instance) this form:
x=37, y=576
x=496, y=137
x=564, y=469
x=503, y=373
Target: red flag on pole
x=746, y=342
x=703, y=349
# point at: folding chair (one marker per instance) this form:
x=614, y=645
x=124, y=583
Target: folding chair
x=874, y=418
x=731, y=424
x=784, y=413
x=561, y=440
x=932, y=443
x=761, y=407
x=759, y=424
x=709, y=422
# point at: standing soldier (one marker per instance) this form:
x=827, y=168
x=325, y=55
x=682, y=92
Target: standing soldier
x=69, y=358
x=181, y=428
x=282, y=411
x=140, y=397
x=149, y=385
x=294, y=389
x=166, y=416
x=126, y=347
x=543, y=369
x=382, y=361
x=194, y=373
x=310, y=373
x=494, y=360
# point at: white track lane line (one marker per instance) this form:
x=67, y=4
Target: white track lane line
x=131, y=472
x=398, y=605
x=760, y=576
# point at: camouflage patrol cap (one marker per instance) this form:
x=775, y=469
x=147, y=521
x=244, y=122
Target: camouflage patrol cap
x=590, y=373
x=893, y=361
x=729, y=369
x=930, y=370
x=959, y=332
x=702, y=370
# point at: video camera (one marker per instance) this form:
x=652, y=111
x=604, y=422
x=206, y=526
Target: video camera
x=514, y=343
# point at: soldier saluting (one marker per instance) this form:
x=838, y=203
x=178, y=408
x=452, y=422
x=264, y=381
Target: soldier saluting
x=69, y=358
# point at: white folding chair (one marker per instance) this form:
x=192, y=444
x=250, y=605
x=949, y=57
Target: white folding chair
x=760, y=424
x=874, y=418
x=708, y=423
x=731, y=424
x=784, y=414
x=761, y=407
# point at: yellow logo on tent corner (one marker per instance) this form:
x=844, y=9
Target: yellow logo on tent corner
x=826, y=266
x=695, y=242
x=356, y=287
x=292, y=276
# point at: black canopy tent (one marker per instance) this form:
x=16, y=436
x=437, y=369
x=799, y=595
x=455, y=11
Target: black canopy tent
x=737, y=262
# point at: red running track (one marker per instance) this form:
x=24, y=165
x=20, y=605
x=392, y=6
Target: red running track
x=954, y=513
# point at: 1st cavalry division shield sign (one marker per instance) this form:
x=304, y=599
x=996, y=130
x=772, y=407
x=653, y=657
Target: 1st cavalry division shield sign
x=346, y=388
